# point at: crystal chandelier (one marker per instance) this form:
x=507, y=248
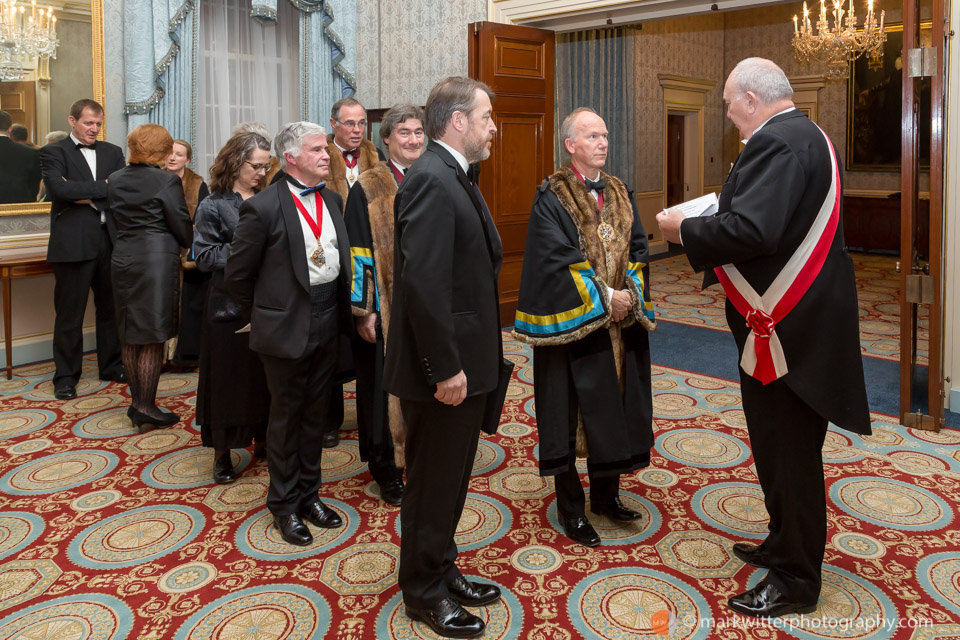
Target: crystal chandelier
x=24, y=37
x=840, y=45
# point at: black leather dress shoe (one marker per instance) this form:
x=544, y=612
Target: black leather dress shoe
x=115, y=377
x=615, y=511
x=320, y=515
x=752, y=554
x=65, y=392
x=766, y=601
x=223, y=472
x=449, y=619
x=391, y=492
x=292, y=530
x=580, y=530
x=330, y=439
x=473, y=594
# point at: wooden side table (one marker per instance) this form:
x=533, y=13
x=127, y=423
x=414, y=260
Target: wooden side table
x=18, y=263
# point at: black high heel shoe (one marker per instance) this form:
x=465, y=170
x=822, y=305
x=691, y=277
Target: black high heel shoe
x=143, y=422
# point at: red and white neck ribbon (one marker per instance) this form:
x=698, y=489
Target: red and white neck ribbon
x=763, y=356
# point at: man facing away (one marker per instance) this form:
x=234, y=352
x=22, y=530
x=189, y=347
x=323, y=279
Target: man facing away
x=776, y=246
x=289, y=266
x=585, y=307
x=445, y=350
x=75, y=172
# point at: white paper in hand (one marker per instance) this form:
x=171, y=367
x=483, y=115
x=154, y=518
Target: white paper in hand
x=703, y=206
x=244, y=329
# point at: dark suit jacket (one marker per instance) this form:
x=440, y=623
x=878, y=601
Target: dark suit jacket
x=445, y=314
x=19, y=172
x=75, y=228
x=267, y=275
x=767, y=205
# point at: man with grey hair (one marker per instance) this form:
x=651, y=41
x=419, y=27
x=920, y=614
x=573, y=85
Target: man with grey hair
x=444, y=353
x=585, y=307
x=289, y=270
x=776, y=246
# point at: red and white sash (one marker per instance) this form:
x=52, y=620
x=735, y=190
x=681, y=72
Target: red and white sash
x=763, y=356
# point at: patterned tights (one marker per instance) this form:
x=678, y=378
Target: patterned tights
x=142, y=364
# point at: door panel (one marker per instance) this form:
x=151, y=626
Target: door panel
x=517, y=63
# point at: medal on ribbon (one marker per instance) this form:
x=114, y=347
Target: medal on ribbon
x=316, y=226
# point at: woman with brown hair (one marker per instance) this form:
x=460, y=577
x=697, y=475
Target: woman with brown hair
x=232, y=399
x=150, y=217
x=194, y=284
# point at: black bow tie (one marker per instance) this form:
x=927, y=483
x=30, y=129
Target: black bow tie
x=595, y=185
x=80, y=145
x=473, y=173
x=304, y=189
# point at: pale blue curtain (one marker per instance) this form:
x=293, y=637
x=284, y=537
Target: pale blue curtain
x=328, y=34
x=596, y=69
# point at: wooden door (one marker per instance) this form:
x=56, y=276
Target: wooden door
x=921, y=260
x=675, y=177
x=19, y=100
x=517, y=63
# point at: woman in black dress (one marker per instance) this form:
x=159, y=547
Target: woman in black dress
x=232, y=400
x=150, y=215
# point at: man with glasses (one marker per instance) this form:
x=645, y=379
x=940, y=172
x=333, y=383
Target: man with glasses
x=350, y=152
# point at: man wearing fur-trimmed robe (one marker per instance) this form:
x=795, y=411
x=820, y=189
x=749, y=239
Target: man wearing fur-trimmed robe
x=369, y=218
x=585, y=307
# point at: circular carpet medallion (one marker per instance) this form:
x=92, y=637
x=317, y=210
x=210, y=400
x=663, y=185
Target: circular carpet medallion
x=689, y=299
x=489, y=456
x=44, y=390
x=187, y=577
x=674, y=287
x=879, y=328
x=42, y=369
x=504, y=618
x=28, y=446
x=342, y=461
x=245, y=494
x=709, y=384
x=613, y=532
x=944, y=436
x=518, y=390
x=77, y=617
x=155, y=442
x=659, y=478
x=723, y=399
x=93, y=403
x=174, y=384
x=674, y=405
x=24, y=580
x=135, y=537
x=520, y=483
x=858, y=545
x=18, y=422
x=18, y=530
x=939, y=575
x=483, y=521
x=258, y=538
x=698, y=554
x=95, y=500
x=58, y=472
x=838, y=448
x=700, y=448
x=268, y=612
x=530, y=407
x=15, y=386
x=515, y=430
x=106, y=424
x=733, y=507
x=662, y=383
x=525, y=373
x=734, y=418
x=918, y=464
x=891, y=503
x=850, y=608
x=883, y=436
x=628, y=602
x=536, y=559
x=369, y=568
x=187, y=468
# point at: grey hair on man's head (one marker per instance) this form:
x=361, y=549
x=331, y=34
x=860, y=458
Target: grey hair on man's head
x=55, y=136
x=290, y=139
x=764, y=78
x=252, y=127
x=568, y=131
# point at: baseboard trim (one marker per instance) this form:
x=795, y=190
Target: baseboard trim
x=39, y=347
x=954, y=400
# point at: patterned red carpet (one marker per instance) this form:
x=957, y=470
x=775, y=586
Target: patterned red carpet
x=108, y=535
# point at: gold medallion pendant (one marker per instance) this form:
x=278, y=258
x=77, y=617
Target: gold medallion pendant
x=318, y=257
x=605, y=231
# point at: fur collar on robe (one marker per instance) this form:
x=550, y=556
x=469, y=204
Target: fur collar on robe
x=338, y=168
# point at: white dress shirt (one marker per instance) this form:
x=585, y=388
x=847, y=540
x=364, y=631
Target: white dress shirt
x=459, y=157
x=328, y=238
x=90, y=155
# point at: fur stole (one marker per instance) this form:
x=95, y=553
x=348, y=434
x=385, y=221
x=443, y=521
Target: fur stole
x=338, y=168
x=191, y=190
x=380, y=188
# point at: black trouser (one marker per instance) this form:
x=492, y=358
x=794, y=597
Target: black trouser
x=440, y=448
x=74, y=280
x=571, y=500
x=786, y=437
x=299, y=398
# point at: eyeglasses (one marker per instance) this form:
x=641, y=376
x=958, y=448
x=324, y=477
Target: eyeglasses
x=258, y=167
x=351, y=124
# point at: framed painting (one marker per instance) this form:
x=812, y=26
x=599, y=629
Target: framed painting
x=874, y=107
